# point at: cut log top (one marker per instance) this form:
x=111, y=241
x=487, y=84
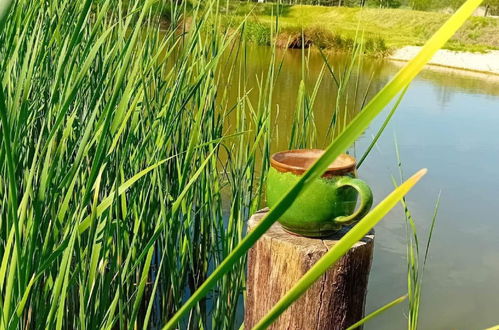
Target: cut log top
x=279, y=259
x=305, y=243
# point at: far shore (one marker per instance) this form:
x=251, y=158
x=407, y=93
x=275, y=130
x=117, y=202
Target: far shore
x=487, y=62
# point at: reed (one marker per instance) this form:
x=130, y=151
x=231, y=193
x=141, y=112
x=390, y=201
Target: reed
x=415, y=263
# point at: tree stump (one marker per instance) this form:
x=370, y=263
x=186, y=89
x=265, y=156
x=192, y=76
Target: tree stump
x=279, y=259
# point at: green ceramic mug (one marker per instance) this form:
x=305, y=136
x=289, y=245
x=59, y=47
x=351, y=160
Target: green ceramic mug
x=328, y=204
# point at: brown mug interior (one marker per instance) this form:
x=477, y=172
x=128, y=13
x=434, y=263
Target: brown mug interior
x=299, y=160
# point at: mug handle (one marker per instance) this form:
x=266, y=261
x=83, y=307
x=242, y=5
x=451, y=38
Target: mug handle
x=366, y=200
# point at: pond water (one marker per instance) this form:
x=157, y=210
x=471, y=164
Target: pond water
x=447, y=122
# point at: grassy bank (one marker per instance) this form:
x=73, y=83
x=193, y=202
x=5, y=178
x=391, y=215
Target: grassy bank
x=382, y=28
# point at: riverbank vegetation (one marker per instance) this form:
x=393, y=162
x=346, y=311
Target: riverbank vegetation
x=336, y=28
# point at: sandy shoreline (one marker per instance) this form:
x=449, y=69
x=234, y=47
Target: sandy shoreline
x=478, y=62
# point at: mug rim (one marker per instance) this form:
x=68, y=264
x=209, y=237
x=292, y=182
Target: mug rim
x=331, y=171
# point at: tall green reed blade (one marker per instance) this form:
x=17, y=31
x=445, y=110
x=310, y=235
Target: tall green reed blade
x=377, y=312
x=85, y=224
x=13, y=193
x=342, y=142
x=414, y=271
x=339, y=249
x=382, y=128
x=4, y=9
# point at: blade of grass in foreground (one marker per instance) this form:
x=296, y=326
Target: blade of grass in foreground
x=4, y=9
x=377, y=312
x=339, y=249
x=496, y=327
x=382, y=128
x=414, y=271
x=123, y=188
x=344, y=140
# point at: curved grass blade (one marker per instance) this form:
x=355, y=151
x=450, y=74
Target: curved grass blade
x=378, y=312
x=4, y=9
x=414, y=271
x=174, y=209
x=109, y=199
x=153, y=295
x=22, y=303
x=432, y=227
x=382, y=128
x=12, y=194
x=339, y=249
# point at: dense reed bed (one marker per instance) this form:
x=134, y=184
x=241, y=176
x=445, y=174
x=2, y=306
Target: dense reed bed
x=111, y=190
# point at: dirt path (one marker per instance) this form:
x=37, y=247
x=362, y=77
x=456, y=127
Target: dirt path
x=480, y=62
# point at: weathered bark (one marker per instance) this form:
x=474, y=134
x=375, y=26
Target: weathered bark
x=279, y=259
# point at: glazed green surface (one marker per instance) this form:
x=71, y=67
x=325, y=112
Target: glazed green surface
x=315, y=211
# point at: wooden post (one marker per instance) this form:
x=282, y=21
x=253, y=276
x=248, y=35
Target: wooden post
x=279, y=259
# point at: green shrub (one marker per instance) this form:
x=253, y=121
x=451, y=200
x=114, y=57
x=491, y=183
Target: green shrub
x=386, y=3
x=258, y=33
x=375, y=46
x=321, y=37
x=294, y=37
x=272, y=9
